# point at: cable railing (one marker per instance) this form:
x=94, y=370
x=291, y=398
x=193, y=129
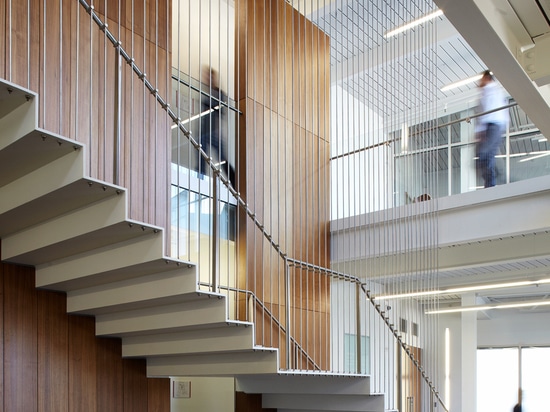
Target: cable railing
x=295, y=345
x=308, y=327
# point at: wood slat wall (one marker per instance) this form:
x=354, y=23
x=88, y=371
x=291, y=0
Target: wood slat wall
x=53, y=48
x=54, y=362
x=250, y=403
x=283, y=91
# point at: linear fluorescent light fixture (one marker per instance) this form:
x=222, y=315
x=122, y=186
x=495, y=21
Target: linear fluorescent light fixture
x=453, y=291
x=462, y=82
x=414, y=23
x=489, y=307
x=538, y=156
x=195, y=117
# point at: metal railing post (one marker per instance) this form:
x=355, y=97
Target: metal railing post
x=358, y=326
x=287, y=308
x=215, y=224
x=118, y=104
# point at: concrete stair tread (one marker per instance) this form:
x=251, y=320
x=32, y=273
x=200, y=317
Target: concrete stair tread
x=342, y=408
x=324, y=402
x=69, y=197
x=309, y=382
x=256, y=361
x=206, y=311
x=100, y=277
x=141, y=304
x=157, y=289
x=232, y=338
x=173, y=329
x=112, y=234
x=11, y=96
x=32, y=151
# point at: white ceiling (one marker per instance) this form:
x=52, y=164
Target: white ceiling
x=356, y=29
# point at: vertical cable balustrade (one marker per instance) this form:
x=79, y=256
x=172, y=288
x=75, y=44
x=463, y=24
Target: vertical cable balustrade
x=380, y=125
x=348, y=312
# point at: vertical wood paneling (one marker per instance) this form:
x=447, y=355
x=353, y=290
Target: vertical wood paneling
x=135, y=385
x=82, y=364
x=109, y=375
x=55, y=49
x=249, y=403
x=274, y=55
x=53, y=361
x=18, y=42
x=288, y=39
x=157, y=401
x=65, y=66
x=241, y=55
x=3, y=38
x=51, y=50
x=20, y=339
x=53, y=346
x=34, y=43
x=286, y=156
x=257, y=40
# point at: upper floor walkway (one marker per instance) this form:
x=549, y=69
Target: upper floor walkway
x=486, y=235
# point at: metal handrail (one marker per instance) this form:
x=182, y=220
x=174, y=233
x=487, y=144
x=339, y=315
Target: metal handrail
x=429, y=129
x=166, y=106
x=271, y=316
x=394, y=331
x=205, y=94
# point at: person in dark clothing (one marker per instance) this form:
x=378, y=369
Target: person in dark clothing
x=213, y=125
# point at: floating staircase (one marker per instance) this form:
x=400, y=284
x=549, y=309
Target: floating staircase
x=75, y=231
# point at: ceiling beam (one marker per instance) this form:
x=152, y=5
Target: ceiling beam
x=496, y=35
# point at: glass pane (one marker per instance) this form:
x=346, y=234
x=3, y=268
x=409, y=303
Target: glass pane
x=529, y=157
x=456, y=128
x=535, y=364
x=416, y=176
x=497, y=379
x=350, y=354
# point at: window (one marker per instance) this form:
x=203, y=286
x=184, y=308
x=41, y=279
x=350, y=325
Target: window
x=500, y=372
x=350, y=353
x=497, y=379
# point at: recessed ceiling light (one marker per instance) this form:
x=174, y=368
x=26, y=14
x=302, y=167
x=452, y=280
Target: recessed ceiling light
x=414, y=23
x=462, y=82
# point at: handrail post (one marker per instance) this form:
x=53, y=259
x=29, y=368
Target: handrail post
x=215, y=224
x=358, y=326
x=118, y=104
x=287, y=308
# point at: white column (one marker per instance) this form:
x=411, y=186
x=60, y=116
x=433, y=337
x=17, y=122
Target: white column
x=469, y=353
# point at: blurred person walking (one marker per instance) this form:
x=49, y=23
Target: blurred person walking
x=490, y=127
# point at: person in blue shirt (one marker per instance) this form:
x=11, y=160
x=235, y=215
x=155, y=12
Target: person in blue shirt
x=490, y=127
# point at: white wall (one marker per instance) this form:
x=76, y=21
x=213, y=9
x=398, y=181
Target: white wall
x=506, y=329
x=207, y=394
x=451, y=398
x=362, y=182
